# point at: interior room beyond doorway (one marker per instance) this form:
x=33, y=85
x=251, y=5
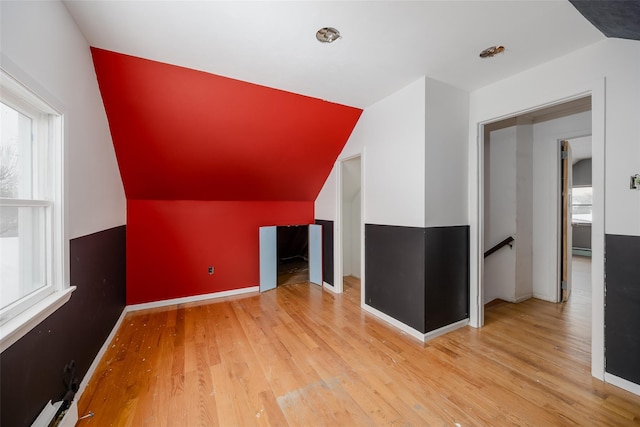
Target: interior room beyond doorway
x=522, y=199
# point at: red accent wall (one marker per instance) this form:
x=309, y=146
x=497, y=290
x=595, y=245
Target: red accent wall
x=182, y=134
x=170, y=245
x=205, y=160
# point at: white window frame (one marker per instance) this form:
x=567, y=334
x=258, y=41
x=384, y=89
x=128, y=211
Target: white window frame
x=19, y=318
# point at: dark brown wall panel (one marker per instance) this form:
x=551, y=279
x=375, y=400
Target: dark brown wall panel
x=394, y=272
x=446, y=276
x=419, y=276
x=32, y=367
x=327, y=250
x=622, y=307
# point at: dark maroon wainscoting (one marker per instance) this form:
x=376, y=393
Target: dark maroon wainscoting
x=32, y=367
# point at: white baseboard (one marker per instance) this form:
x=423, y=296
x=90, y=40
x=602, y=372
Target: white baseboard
x=329, y=287
x=445, y=329
x=414, y=332
x=195, y=298
x=622, y=383
x=394, y=322
x=51, y=409
x=544, y=297
x=523, y=298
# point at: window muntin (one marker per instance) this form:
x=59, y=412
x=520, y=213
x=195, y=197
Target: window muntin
x=30, y=200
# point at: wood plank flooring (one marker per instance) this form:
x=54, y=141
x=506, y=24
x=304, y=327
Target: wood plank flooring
x=301, y=356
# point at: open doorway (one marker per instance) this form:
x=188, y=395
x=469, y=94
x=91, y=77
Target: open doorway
x=483, y=116
x=522, y=199
x=577, y=213
x=350, y=236
x=580, y=209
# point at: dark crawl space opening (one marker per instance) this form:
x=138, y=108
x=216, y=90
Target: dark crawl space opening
x=293, y=254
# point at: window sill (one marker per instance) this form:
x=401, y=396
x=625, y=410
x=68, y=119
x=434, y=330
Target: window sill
x=19, y=326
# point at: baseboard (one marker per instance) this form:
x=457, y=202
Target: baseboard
x=51, y=409
x=523, y=298
x=622, y=383
x=98, y=358
x=544, y=297
x=445, y=329
x=394, y=322
x=195, y=298
x=329, y=287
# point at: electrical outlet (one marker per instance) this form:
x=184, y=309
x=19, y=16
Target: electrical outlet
x=635, y=182
x=210, y=270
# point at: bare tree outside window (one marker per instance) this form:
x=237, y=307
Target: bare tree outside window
x=9, y=175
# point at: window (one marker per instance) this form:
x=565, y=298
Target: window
x=581, y=204
x=31, y=249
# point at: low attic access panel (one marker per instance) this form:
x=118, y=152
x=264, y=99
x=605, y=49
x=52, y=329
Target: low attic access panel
x=287, y=251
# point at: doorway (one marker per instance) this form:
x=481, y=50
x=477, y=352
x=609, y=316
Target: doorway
x=522, y=199
x=577, y=211
x=596, y=90
x=350, y=222
x=576, y=195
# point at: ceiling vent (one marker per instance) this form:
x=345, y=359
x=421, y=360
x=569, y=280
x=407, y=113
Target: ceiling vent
x=327, y=35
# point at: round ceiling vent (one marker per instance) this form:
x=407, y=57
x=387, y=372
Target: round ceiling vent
x=491, y=51
x=327, y=35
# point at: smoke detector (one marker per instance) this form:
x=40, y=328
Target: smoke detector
x=327, y=35
x=491, y=51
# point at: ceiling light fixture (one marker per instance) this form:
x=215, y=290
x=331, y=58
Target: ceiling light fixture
x=327, y=35
x=491, y=51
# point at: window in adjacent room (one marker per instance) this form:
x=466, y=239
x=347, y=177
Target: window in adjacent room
x=581, y=204
x=31, y=249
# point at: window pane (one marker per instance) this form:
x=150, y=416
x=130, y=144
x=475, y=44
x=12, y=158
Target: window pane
x=582, y=195
x=22, y=258
x=582, y=204
x=15, y=154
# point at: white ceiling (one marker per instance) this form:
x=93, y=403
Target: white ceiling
x=385, y=45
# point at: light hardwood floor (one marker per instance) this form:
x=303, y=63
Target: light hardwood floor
x=301, y=356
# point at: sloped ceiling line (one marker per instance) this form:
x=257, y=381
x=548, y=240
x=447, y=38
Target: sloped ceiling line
x=181, y=134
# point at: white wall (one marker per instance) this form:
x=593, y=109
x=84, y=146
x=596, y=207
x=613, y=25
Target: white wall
x=351, y=236
x=524, y=210
x=325, y=203
x=42, y=47
x=393, y=132
x=389, y=138
x=546, y=198
x=446, y=133
x=622, y=64
x=500, y=213
x=347, y=248
x=356, y=235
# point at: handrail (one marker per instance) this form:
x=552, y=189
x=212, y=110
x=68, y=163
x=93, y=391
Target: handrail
x=505, y=242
